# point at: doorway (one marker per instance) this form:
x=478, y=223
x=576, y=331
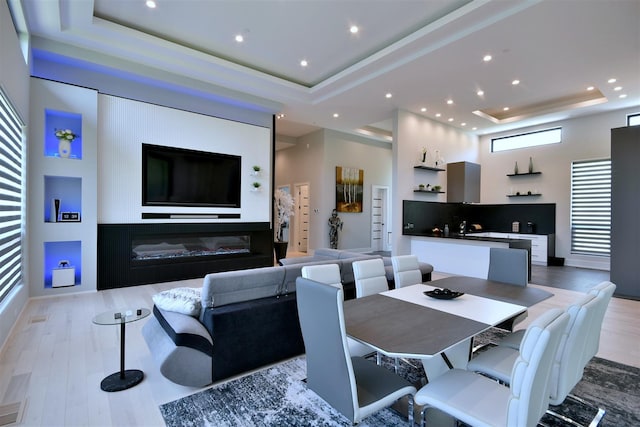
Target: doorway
x=380, y=232
x=301, y=217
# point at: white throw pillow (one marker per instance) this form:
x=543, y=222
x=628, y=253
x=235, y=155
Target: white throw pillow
x=180, y=300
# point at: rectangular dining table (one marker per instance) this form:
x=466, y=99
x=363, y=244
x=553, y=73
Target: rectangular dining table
x=406, y=323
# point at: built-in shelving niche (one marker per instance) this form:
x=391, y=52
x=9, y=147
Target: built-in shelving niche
x=68, y=191
x=56, y=120
x=62, y=264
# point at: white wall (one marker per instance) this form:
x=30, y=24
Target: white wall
x=582, y=138
x=411, y=133
x=14, y=80
x=313, y=160
x=125, y=124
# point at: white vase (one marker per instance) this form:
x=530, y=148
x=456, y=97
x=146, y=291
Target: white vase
x=64, y=148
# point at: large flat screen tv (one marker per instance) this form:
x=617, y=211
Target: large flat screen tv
x=179, y=177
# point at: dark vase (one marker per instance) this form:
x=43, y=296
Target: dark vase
x=280, y=249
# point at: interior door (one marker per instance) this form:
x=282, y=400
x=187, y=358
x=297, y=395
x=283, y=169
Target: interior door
x=380, y=235
x=301, y=217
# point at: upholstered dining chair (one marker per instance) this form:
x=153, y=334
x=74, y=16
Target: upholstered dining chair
x=406, y=270
x=354, y=386
x=508, y=265
x=370, y=277
x=480, y=401
x=330, y=275
x=574, y=352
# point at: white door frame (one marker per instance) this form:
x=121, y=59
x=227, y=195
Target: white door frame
x=299, y=234
x=386, y=219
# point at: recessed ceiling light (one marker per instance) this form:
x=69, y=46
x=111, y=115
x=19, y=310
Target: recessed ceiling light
x=450, y=119
x=304, y=63
x=590, y=88
x=463, y=124
x=354, y=29
x=617, y=88
x=480, y=93
x=506, y=109
x=623, y=95
x=336, y=115
x=474, y=128
x=423, y=109
x=515, y=82
x=449, y=101
x=388, y=95
x=151, y=4
x=280, y=116
x=239, y=38
x=487, y=58
x=611, y=81
x=438, y=114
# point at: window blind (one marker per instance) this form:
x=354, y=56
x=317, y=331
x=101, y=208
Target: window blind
x=591, y=207
x=11, y=212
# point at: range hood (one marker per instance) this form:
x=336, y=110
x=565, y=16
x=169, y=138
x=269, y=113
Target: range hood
x=463, y=182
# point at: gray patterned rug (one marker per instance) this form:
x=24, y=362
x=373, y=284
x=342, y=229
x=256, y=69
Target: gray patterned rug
x=278, y=396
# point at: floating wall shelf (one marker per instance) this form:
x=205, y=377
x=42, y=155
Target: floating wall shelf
x=524, y=195
x=429, y=168
x=524, y=173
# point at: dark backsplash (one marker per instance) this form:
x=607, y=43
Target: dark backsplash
x=426, y=215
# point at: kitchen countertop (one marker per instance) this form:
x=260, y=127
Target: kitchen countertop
x=471, y=236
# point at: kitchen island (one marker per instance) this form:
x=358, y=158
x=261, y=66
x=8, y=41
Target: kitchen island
x=463, y=254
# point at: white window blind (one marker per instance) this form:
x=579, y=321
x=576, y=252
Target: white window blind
x=591, y=207
x=11, y=212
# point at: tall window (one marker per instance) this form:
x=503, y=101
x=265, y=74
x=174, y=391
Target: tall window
x=633, y=119
x=591, y=207
x=11, y=218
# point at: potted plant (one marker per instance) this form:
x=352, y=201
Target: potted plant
x=65, y=138
x=283, y=207
x=256, y=170
x=256, y=186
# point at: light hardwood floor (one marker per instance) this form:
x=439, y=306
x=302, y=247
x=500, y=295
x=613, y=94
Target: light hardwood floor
x=55, y=358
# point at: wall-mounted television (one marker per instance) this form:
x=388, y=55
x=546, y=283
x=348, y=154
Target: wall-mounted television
x=180, y=177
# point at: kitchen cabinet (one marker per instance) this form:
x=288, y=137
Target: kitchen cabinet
x=543, y=246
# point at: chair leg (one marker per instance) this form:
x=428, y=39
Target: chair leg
x=594, y=422
x=410, y=409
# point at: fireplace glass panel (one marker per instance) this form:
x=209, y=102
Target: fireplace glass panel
x=153, y=248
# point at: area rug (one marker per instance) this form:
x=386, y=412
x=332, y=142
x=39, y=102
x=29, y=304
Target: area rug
x=278, y=396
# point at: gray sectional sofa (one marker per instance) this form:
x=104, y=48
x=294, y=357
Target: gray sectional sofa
x=248, y=319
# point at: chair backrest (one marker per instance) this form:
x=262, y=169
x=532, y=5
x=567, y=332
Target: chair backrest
x=370, y=277
x=406, y=270
x=568, y=366
x=329, y=369
x=529, y=382
x=325, y=273
x=603, y=292
x=509, y=265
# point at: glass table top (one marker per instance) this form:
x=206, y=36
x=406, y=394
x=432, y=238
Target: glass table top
x=117, y=317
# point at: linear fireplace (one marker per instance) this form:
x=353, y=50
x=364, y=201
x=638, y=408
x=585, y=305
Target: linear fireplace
x=135, y=254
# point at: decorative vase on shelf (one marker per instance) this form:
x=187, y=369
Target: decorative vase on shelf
x=439, y=160
x=530, y=165
x=515, y=169
x=64, y=148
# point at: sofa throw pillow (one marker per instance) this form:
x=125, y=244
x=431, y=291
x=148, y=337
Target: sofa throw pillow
x=180, y=300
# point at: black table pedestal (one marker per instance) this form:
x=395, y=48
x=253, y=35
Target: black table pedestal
x=116, y=382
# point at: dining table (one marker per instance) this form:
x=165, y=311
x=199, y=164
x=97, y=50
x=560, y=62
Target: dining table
x=408, y=323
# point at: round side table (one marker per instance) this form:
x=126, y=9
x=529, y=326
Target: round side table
x=123, y=379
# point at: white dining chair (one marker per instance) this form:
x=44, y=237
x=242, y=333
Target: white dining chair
x=406, y=270
x=370, y=277
x=330, y=274
x=480, y=401
x=570, y=360
x=354, y=386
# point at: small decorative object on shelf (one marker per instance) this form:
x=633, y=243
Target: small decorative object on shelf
x=436, y=188
x=65, y=137
x=530, y=165
x=515, y=169
x=424, y=159
x=256, y=170
x=439, y=160
x=256, y=186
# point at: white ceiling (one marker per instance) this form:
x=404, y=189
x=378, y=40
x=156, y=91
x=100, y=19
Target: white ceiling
x=422, y=52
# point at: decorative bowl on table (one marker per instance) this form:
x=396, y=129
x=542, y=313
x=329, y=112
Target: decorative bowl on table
x=443, y=293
